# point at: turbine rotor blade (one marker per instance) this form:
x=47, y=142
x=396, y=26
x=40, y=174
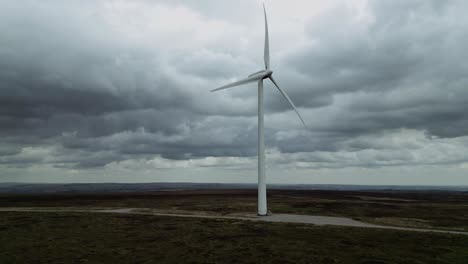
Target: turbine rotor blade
x=240, y=82
x=289, y=100
x=266, y=51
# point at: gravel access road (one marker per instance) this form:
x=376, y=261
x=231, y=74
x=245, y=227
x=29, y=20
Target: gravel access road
x=282, y=218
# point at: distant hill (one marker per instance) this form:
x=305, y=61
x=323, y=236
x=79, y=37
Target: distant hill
x=149, y=187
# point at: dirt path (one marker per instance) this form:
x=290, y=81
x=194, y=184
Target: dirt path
x=282, y=218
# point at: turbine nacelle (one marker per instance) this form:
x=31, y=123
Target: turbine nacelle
x=260, y=75
x=268, y=73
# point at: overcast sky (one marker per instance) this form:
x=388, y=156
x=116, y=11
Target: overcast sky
x=118, y=91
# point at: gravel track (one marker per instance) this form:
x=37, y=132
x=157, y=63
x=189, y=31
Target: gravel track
x=282, y=218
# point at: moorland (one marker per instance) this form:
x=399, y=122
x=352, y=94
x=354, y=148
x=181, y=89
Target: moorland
x=71, y=237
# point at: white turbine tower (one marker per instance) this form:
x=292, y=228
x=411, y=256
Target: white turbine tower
x=259, y=77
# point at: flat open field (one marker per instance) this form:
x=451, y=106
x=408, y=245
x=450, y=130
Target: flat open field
x=440, y=210
x=70, y=237
x=38, y=237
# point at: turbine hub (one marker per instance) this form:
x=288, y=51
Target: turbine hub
x=268, y=73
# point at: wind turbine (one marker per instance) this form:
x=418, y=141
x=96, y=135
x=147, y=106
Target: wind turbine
x=259, y=77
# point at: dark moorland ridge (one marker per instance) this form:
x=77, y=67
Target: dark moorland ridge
x=111, y=235
x=407, y=208
x=146, y=187
x=27, y=237
x=63, y=237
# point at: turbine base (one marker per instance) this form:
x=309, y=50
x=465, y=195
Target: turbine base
x=267, y=214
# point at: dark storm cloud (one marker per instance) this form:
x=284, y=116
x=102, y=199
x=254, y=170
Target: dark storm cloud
x=74, y=78
x=402, y=68
x=62, y=74
x=76, y=84
x=235, y=138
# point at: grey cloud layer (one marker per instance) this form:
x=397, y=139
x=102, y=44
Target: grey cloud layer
x=403, y=66
x=74, y=83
